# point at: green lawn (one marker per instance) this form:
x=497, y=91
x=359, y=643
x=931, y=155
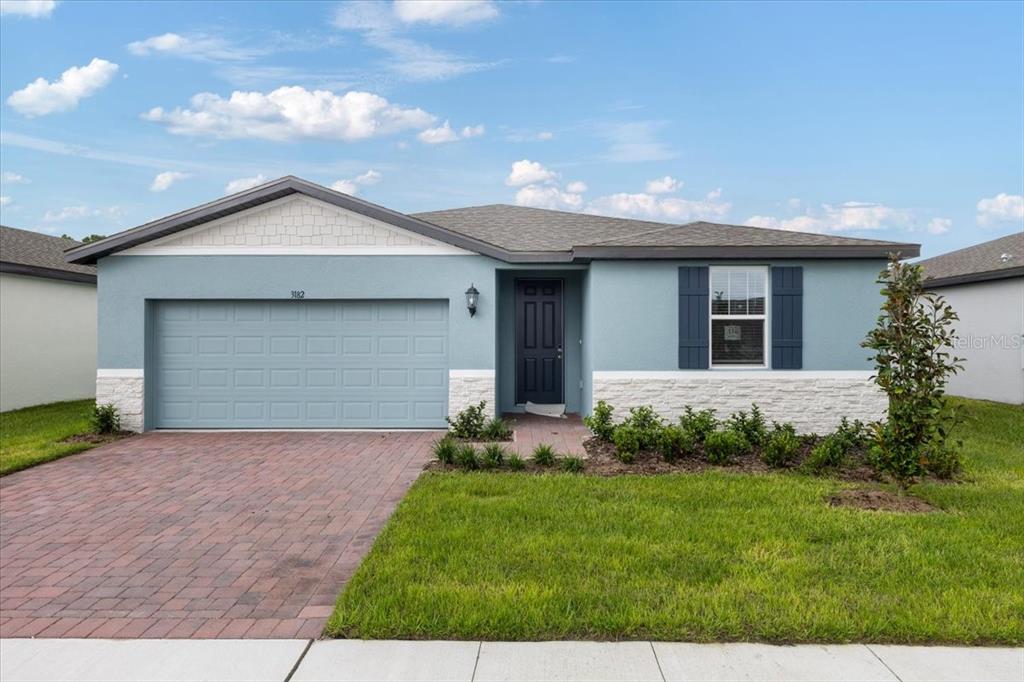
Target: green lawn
x=32, y=435
x=702, y=557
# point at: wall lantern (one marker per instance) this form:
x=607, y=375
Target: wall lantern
x=472, y=296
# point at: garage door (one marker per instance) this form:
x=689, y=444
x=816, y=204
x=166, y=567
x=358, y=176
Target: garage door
x=299, y=364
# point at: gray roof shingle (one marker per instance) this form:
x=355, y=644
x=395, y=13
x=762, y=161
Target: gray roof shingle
x=27, y=252
x=996, y=259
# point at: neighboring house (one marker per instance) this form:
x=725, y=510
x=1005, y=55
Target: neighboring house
x=291, y=305
x=985, y=286
x=47, y=321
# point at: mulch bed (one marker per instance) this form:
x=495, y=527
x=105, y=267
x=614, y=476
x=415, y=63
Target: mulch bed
x=880, y=500
x=98, y=438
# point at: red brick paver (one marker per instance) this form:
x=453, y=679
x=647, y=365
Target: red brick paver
x=197, y=534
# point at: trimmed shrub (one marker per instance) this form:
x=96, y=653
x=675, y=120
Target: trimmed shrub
x=782, y=446
x=600, y=423
x=647, y=424
x=627, y=440
x=544, y=455
x=829, y=453
x=492, y=457
x=106, y=419
x=468, y=423
x=515, y=462
x=466, y=457
x=572, y=465
x=699, y=423
x=722, y=446
x=496, y=429
x=752, y=426
x=943, y=462
x=445, y=449
x=675, y=442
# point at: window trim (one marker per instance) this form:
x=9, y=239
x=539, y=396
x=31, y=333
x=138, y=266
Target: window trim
x=765, y=332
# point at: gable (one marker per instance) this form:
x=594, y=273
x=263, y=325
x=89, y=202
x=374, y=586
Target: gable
x=294, y=225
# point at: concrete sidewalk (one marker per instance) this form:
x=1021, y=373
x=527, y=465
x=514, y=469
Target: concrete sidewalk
x=78, y=660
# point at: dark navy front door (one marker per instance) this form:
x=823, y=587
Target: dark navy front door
x=539, y=349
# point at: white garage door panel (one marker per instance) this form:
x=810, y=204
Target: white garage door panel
x=300, y=364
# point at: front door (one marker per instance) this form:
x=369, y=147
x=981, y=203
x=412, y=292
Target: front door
x=539, y=341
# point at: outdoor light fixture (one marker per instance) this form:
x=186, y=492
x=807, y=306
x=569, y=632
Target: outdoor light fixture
x=472, y=296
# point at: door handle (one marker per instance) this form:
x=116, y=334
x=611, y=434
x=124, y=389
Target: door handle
x=559, y=352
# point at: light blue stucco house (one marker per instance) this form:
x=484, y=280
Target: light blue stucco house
x=293, y=306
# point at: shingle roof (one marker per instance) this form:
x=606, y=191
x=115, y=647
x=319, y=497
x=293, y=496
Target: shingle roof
x=996, y=259
x=518, y=228
x=32, y=253
x=518, y=234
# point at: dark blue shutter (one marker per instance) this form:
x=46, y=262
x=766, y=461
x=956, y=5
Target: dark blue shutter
x=694, y=317
x=787, y=314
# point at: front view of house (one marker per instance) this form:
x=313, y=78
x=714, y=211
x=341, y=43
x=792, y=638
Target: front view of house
x=294, y=306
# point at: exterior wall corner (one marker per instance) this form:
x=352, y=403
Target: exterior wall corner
x=125, y=390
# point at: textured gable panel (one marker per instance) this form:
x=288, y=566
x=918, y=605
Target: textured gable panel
x=295, y=225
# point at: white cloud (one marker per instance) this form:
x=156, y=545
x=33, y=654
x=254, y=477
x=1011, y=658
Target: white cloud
x=444, y=12
x=635, y=141
x=547, y=196
x=352, y=185
x=13, y=178
x=1002, y=208
x=849, y=216
x=289, y=113
x=665, y=185
x=163, y=181
x=35, y=9
x=41, y=97
x=652, y=207
x=444, y=133
x=409, y=59
x=81, y=213
x=194, y=46
x=528, y=172
x=545, y=135
x=5, y=200
x=794, y=203
x=576, y=187
x=939, y=225
x=242, y=184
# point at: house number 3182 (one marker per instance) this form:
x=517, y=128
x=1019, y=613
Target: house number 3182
x=296, y=293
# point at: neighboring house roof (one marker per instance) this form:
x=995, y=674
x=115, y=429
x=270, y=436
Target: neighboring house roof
x=23, y=252
x=519, y=234
x=998, y=259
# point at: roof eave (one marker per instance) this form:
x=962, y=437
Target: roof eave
x=972, y=277
x=46, y=273
x=738, y=252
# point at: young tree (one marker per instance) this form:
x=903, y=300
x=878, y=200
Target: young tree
x=912, y=342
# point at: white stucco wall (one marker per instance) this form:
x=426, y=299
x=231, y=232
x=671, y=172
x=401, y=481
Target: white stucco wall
x=990, y=339
x=47, y=341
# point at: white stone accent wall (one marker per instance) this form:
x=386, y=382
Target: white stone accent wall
x=813, y=401
x=294, y=223
x=125, y=390
x=468, y=387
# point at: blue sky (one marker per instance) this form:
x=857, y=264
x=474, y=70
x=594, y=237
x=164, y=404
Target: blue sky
x=891, y=121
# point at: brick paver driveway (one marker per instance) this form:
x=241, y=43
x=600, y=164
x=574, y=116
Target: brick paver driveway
x=197, y=534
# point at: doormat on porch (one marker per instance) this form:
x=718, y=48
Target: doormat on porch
x=545, y=410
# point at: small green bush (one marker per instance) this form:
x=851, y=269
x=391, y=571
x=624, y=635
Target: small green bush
x=752, y=426
x=851, y=434
x=572, y=465
x=466, y=457
x=496, y=429
x=445, y=449
x=627, y=442
x=600, y=423
x=468, y=423
x=699, y=423
x=106, y=419
x=943, y=462
x=829, y=453
x=722, y=446
x=647, y=424
x=782, y=446
x=515, y=462
x=544, y=455
x=675, y=442
x=492, y=457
